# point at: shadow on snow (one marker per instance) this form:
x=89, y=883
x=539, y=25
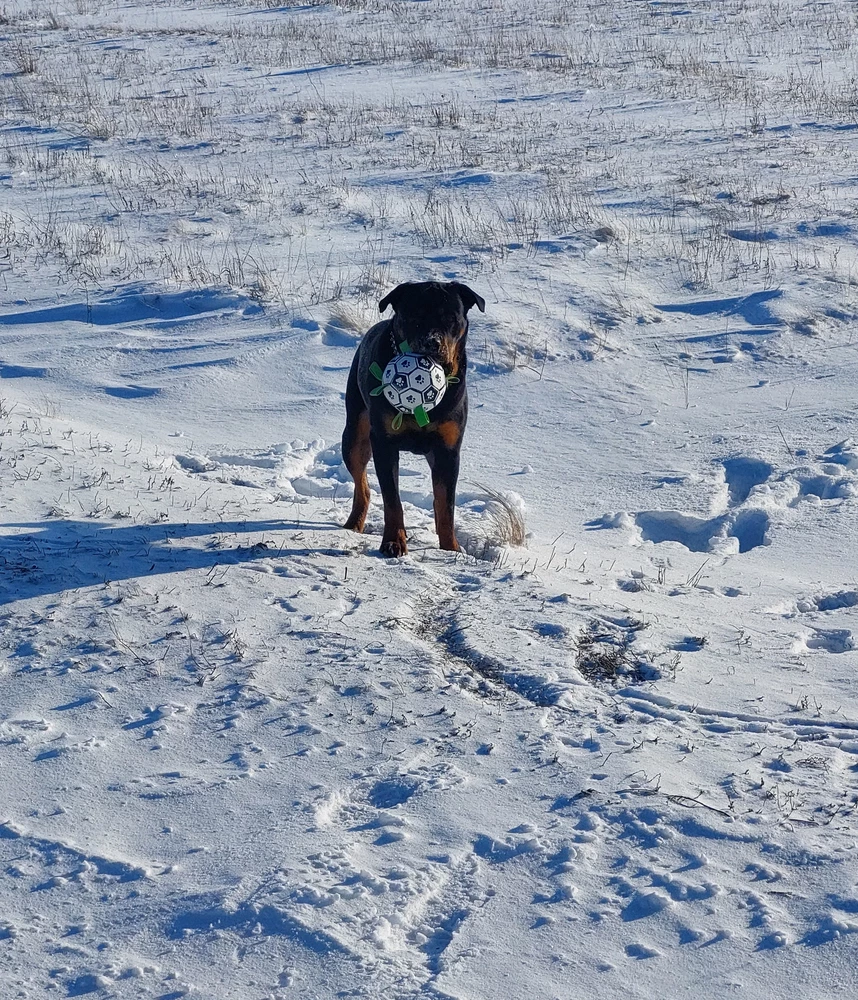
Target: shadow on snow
x=53, y=556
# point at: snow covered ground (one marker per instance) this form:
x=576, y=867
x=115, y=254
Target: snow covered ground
x=245, y=757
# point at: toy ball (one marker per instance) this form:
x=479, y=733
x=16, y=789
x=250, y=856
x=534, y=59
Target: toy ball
x=412, y=380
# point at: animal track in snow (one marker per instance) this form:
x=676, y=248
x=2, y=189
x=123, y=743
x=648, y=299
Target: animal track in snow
x=829, y=602
x=742, y=474
x=699, y=534
x=821, y=485
x=844, y=453
x=393, y=791
x=835, y=477
x=53, y=852
x=831, y=640
x=739, y=526
x=641, y=951
x=397, y=920
x=297, y=468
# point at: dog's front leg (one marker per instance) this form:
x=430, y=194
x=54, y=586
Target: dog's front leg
x=444, y=463
x=386, y=459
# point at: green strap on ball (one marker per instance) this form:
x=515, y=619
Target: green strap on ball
x=404, y=347
x=420, y=416
x=375, y=369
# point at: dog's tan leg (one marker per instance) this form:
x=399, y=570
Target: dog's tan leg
x=394, y=539
x=444, y=516
x=356, y=454
x=444, y=463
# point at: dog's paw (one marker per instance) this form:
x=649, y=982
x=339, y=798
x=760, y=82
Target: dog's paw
x=394, y=547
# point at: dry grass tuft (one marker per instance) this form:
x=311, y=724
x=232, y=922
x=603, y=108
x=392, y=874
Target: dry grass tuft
x=505, y=517
x=604, y=654
x=352, y=317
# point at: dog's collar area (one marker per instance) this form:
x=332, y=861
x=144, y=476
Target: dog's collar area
x=402, y=347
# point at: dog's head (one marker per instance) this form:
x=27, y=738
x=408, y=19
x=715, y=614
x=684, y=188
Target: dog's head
x=432, y=317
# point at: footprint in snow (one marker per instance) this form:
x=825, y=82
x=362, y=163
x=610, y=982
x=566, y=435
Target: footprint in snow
x=742, y=474
x=832, y=640
x=741, y=526
x=828, y=602
x=641, y=951
x=295, y=469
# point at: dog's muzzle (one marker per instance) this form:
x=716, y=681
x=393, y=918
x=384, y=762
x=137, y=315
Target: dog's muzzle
x=439, y=348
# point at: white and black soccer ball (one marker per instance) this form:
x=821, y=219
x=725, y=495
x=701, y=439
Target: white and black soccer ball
x=412, y=380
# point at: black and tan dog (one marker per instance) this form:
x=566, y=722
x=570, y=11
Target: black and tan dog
x=432, y=318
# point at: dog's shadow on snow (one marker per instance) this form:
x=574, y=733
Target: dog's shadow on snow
x=58, y=555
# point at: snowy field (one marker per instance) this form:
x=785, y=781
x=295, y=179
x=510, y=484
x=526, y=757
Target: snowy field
x=246, y=758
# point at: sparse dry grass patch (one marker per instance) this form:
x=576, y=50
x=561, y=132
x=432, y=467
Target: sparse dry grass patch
x=505, y=519
x=168, y=147
x=604, y=654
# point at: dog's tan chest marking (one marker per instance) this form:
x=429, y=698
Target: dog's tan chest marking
x=449, y=431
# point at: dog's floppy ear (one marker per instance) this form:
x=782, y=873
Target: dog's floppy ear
x=468, y=296
x=393, y=298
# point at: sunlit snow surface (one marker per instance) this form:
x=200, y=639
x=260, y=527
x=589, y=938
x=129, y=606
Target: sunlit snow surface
x=245, y=757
